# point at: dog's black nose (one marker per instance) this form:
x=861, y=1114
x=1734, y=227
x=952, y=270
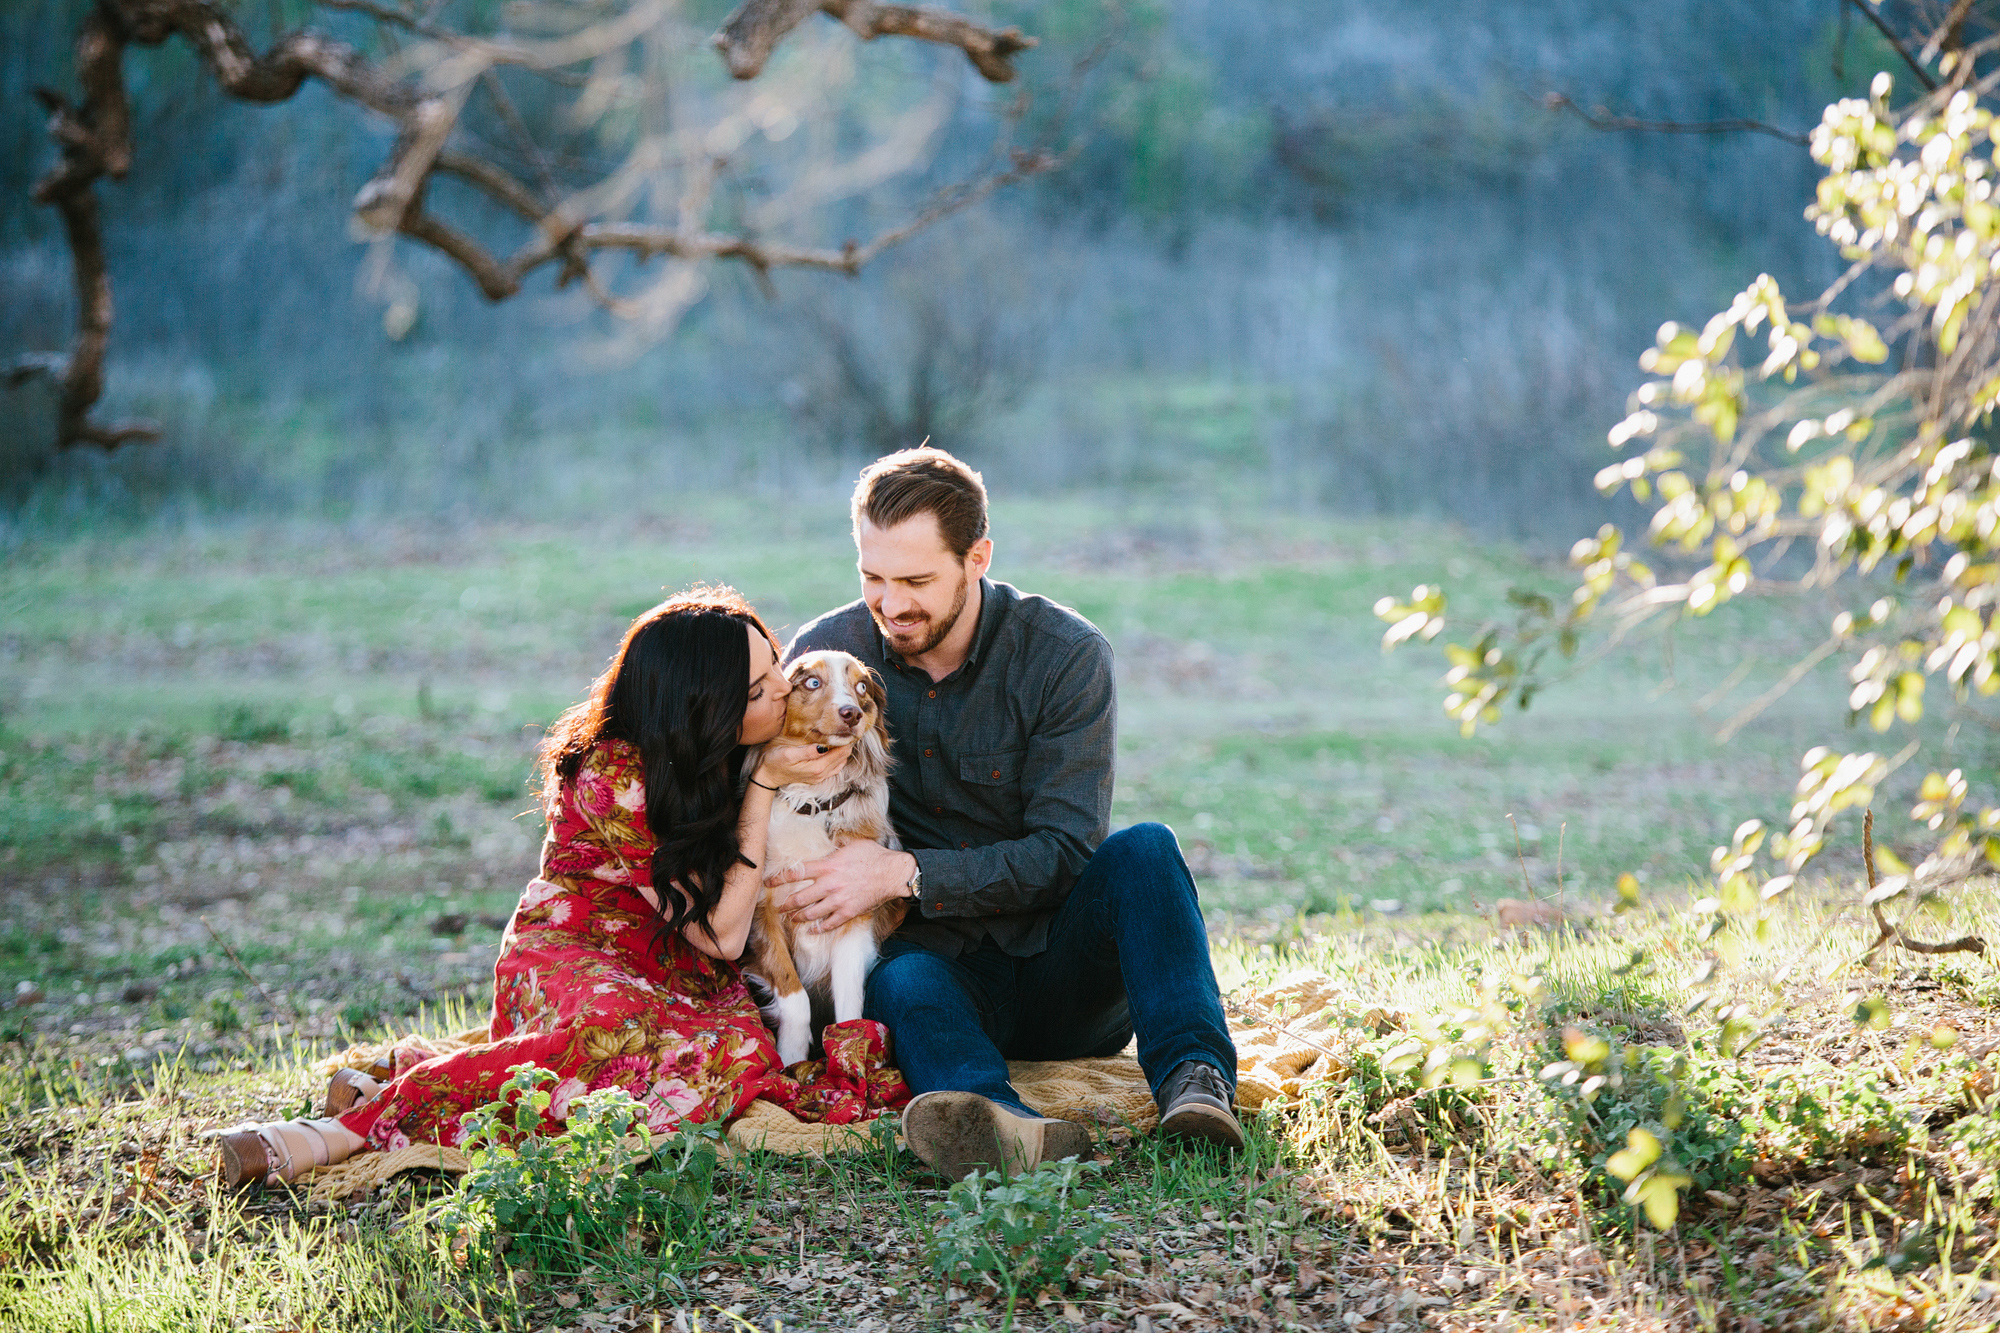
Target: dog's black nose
x=850, y=714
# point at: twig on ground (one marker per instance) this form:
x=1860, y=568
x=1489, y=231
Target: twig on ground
x=1269, y=1020
x=251, y=977
x=1527, y=884
x=1562, y=832
x=1895, y=934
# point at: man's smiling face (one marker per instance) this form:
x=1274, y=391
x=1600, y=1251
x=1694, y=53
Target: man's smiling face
x=916, y=589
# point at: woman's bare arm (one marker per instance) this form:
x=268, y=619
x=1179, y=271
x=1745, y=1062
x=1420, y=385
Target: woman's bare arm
x=729, y=924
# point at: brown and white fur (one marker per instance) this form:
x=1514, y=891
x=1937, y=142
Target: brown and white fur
x=835, y=700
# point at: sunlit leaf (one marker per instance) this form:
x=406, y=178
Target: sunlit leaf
x=1641, y=1150
x=1660, y=1196
x=1404, y=1057
x=1585, y=1048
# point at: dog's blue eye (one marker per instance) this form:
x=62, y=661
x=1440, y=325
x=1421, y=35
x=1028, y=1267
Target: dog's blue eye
x=812, y=682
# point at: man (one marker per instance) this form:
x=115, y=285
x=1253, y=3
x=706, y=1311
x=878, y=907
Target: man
x=1031, y=934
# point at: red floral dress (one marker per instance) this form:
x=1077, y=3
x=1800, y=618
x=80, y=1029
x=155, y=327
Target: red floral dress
x=591, y=986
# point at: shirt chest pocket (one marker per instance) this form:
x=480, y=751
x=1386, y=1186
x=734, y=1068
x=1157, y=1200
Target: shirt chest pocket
x=991, y=781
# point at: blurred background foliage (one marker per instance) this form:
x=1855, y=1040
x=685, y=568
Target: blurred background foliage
x=1331, y=255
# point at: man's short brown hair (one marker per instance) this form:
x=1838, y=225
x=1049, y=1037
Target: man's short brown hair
x=925, y=480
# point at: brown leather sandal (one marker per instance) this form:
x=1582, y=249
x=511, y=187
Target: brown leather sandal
x=262, y=1154
x=347, y=1089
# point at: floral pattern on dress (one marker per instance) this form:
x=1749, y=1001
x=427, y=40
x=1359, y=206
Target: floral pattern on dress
x=591, y=985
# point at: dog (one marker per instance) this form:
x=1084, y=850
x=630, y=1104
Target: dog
x=835, y=700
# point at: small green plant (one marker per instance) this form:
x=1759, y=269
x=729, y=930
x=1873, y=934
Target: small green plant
x=1975, y=1143
x=251, y=726
x=445, y=833
x=1656, y=1120
x=223, y=1015
x=561, y=1202
x=1024, y=1232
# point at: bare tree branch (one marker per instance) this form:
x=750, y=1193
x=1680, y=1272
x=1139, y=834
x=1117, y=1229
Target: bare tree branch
x=1601, y=118
x=1950, y=34
x=94, y=141
x=495, y=181
x=990, y=52
x=424, y=99
x=395, y=18
x=1890, y=934
x=750, y=34
x=1874, y=16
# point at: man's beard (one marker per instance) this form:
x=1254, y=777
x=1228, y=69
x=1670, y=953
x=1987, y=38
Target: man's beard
x=933, y=632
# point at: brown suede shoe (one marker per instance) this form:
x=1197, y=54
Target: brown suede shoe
x=1196, y=1102
x=957, y=1133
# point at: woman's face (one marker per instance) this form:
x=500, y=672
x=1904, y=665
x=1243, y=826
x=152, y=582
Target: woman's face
x=764, y=717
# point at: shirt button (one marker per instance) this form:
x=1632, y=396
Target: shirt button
x=963, y=845
x=927, y=754
x=996, y=772
x=933, y=694
x=937, y=809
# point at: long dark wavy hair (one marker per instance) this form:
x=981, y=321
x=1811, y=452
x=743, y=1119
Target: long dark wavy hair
x=676, y=689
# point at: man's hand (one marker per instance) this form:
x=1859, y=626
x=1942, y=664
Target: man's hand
x=852, y=882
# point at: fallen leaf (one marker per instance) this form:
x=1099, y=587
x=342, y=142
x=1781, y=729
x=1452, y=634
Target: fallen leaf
x=1513, y=912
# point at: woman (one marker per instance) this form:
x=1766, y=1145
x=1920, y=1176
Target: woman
x=606, y=977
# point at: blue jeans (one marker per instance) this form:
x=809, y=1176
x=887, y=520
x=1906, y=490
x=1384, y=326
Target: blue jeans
x=1127, y=952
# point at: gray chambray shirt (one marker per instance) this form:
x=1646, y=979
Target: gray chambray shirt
x=1002, y=784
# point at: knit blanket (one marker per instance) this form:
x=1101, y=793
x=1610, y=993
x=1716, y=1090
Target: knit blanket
x=1288, y=1036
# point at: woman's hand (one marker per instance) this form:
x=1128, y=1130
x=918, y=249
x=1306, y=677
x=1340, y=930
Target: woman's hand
x=783, y=765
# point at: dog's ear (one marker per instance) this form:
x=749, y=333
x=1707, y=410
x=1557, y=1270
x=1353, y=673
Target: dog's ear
x=872, y=752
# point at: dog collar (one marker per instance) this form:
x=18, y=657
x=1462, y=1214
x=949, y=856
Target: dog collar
x=821, y=807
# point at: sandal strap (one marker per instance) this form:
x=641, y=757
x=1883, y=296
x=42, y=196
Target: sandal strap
x=321, y=1149
x=283, y=1162
x=356, y=1088
x=278, y=1153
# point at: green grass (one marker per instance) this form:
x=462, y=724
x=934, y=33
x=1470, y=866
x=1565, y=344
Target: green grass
x=263, y=791
x=294, y=679
x=1844, y=1177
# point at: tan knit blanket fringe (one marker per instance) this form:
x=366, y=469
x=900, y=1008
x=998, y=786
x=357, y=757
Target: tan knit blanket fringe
x=1288, y=1036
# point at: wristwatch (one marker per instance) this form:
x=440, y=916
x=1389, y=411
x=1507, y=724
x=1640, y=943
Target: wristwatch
x=916, y=882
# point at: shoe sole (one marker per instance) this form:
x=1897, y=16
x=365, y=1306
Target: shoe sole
x=1205, y=1124
x=958, y=1133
